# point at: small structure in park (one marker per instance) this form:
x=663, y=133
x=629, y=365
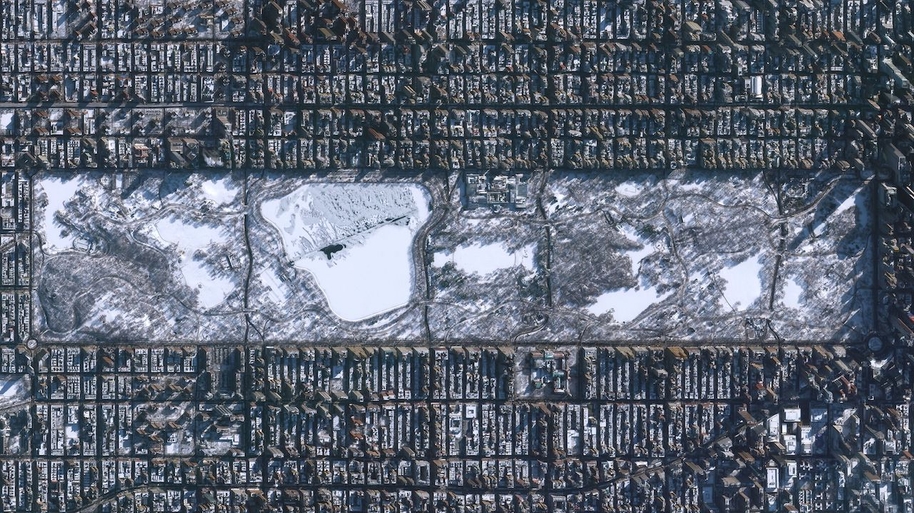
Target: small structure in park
x=549, y=368
x=495, y=190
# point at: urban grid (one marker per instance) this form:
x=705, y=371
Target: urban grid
x=656, y=256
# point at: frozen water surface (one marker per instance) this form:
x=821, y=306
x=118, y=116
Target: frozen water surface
x=317, y=215
x=371, y=225
x=373, y=277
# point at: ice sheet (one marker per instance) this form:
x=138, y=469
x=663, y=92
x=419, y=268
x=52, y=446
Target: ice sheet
x=371, y=278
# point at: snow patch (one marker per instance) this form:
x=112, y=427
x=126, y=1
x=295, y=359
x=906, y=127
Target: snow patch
x=629, y=189
x=220, y=190
x=742, y=285
x=636, y=255
x=792, y=293
x=58, y=190
x=559, y=202
x=484, y=259
x=627, y=304
x=851, y=200
x=276, y=289
x=190, y=238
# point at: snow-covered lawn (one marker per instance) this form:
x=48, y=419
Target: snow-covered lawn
x=792, y=293
x=627, y=304
x=483, y=259
x=639, y=254
x=629, y=189
x=190, y=238
x=742, y=283
x=58, y=190
x=220, y=190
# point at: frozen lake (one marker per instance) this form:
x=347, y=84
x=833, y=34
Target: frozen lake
x=373, y=277
x=370, y=228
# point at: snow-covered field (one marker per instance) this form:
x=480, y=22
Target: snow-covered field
x=221, y=190
x=484, y=259
x=190, y=240
x=706, y=253
x=148, y=256
x=626, y=304
x=742, y=283
x=676, y=256
x=58, y=190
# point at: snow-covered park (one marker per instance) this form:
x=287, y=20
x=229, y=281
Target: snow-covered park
x=177, y=255
x=615, y=257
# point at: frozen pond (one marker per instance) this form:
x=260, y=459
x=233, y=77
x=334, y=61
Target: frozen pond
x=354, y=239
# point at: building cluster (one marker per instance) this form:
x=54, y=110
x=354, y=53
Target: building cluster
x=15, y=255
x=478, y=84
x=234, y=429
x=499, y=89
x=495, y=190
